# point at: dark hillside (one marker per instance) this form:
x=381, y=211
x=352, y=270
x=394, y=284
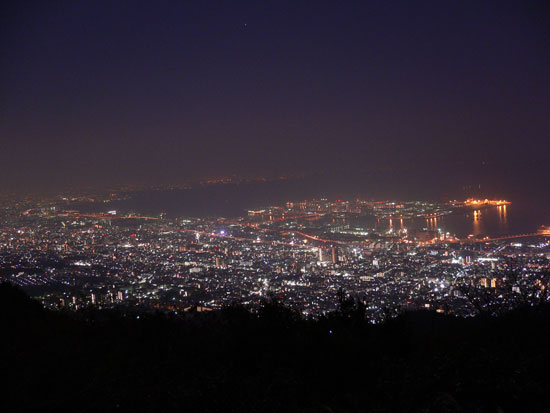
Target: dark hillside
x=273, y=360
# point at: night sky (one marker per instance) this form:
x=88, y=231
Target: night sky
x=126, y=92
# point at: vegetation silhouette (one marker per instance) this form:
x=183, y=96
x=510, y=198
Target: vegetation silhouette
x=271, y=359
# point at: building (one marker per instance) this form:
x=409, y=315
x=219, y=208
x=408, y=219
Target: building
x=324, y=254
x=335, y=257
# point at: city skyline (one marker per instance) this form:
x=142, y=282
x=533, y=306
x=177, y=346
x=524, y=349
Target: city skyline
x=280, y=205
x=106, y=250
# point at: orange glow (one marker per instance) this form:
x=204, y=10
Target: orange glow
x=479, y=202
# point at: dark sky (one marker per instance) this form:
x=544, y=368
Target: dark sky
x=110, y=92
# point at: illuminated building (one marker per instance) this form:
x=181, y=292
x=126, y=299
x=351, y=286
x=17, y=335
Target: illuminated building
x=324, y=255
x=335, y=254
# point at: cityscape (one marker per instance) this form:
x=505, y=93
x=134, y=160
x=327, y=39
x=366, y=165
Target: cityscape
x=275, y=206
x=393, y=256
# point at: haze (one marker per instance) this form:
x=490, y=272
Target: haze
x=107, y=93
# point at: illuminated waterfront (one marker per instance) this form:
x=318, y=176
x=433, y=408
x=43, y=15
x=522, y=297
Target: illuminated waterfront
x=231, y=201
x=410, y=254
x=493, y=221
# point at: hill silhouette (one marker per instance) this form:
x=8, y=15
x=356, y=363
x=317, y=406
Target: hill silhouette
x=238, y=360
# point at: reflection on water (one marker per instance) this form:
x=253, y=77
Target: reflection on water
x=520, y=217
x=492, y=221
x=503, y=218
x=431, y=224
x=502, y=213
x=477, y=225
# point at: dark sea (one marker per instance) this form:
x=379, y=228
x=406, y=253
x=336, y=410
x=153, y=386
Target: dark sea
x=515, y=219
x=526, y=214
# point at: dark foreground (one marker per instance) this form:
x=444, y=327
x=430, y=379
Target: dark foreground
x=236, y=361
